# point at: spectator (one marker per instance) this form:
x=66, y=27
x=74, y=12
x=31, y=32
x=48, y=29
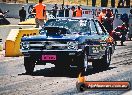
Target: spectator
x=112, y=3
x=55, y=8
x=125, y=19
x=67, y=11
x=108, y=21
x=102, y=15
x=79, y=12
x=93, y=3
x=73, y=11
x=40, y=10
x=22, y=14
x=61, y=11
x=127, y=3
x=120, y=2
x=104, y=3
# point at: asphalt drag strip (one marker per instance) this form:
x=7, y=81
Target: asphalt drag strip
x=45, y=81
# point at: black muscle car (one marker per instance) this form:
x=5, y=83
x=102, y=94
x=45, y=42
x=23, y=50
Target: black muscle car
x=68, y=42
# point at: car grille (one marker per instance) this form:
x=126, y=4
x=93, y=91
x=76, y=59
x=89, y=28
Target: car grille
x=48, y=45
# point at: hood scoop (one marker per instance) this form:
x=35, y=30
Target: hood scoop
x=56, y=31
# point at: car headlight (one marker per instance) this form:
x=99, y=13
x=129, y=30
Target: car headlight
x=95, y=49
x=25, y=45
x=72, y=45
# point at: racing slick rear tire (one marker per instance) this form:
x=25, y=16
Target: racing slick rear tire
x=103, y=63
x=29, y=65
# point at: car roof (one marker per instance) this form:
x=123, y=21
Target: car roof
x=76, y=18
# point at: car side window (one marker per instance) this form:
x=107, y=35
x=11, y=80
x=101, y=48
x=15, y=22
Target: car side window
x=88, y=26
x=100, y=28
x=100, y=31
x=93, y=27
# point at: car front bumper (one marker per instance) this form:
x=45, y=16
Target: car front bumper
x=62, y=56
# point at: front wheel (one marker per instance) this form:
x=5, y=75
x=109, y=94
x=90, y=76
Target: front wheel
x=29, y=65
x=104, y=62
x=106, y=58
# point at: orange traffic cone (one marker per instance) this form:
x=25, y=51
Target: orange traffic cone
x=80, y=85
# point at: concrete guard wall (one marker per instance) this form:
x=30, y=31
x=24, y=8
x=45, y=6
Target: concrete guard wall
x=12, y=44
x=15, y=7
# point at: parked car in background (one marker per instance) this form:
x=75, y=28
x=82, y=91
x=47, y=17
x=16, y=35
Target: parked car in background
x=69, y=42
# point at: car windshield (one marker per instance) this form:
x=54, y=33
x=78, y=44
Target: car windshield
x=74, y=25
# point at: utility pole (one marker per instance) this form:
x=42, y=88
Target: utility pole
x=63, y=2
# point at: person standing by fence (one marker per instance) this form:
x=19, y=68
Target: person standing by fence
x=112, y=3
x=127, y=3
x=73, y=11
x=67, y=11
x=61, y=11
x=79, y=12
x=93, y=3
x=40, y=10
x=55, y=8
x=108, y=21
x=120, y=3
x=22, y=14
x=102, y=15
x=104, y=3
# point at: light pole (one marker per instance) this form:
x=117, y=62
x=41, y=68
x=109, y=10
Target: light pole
x=63, y=2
